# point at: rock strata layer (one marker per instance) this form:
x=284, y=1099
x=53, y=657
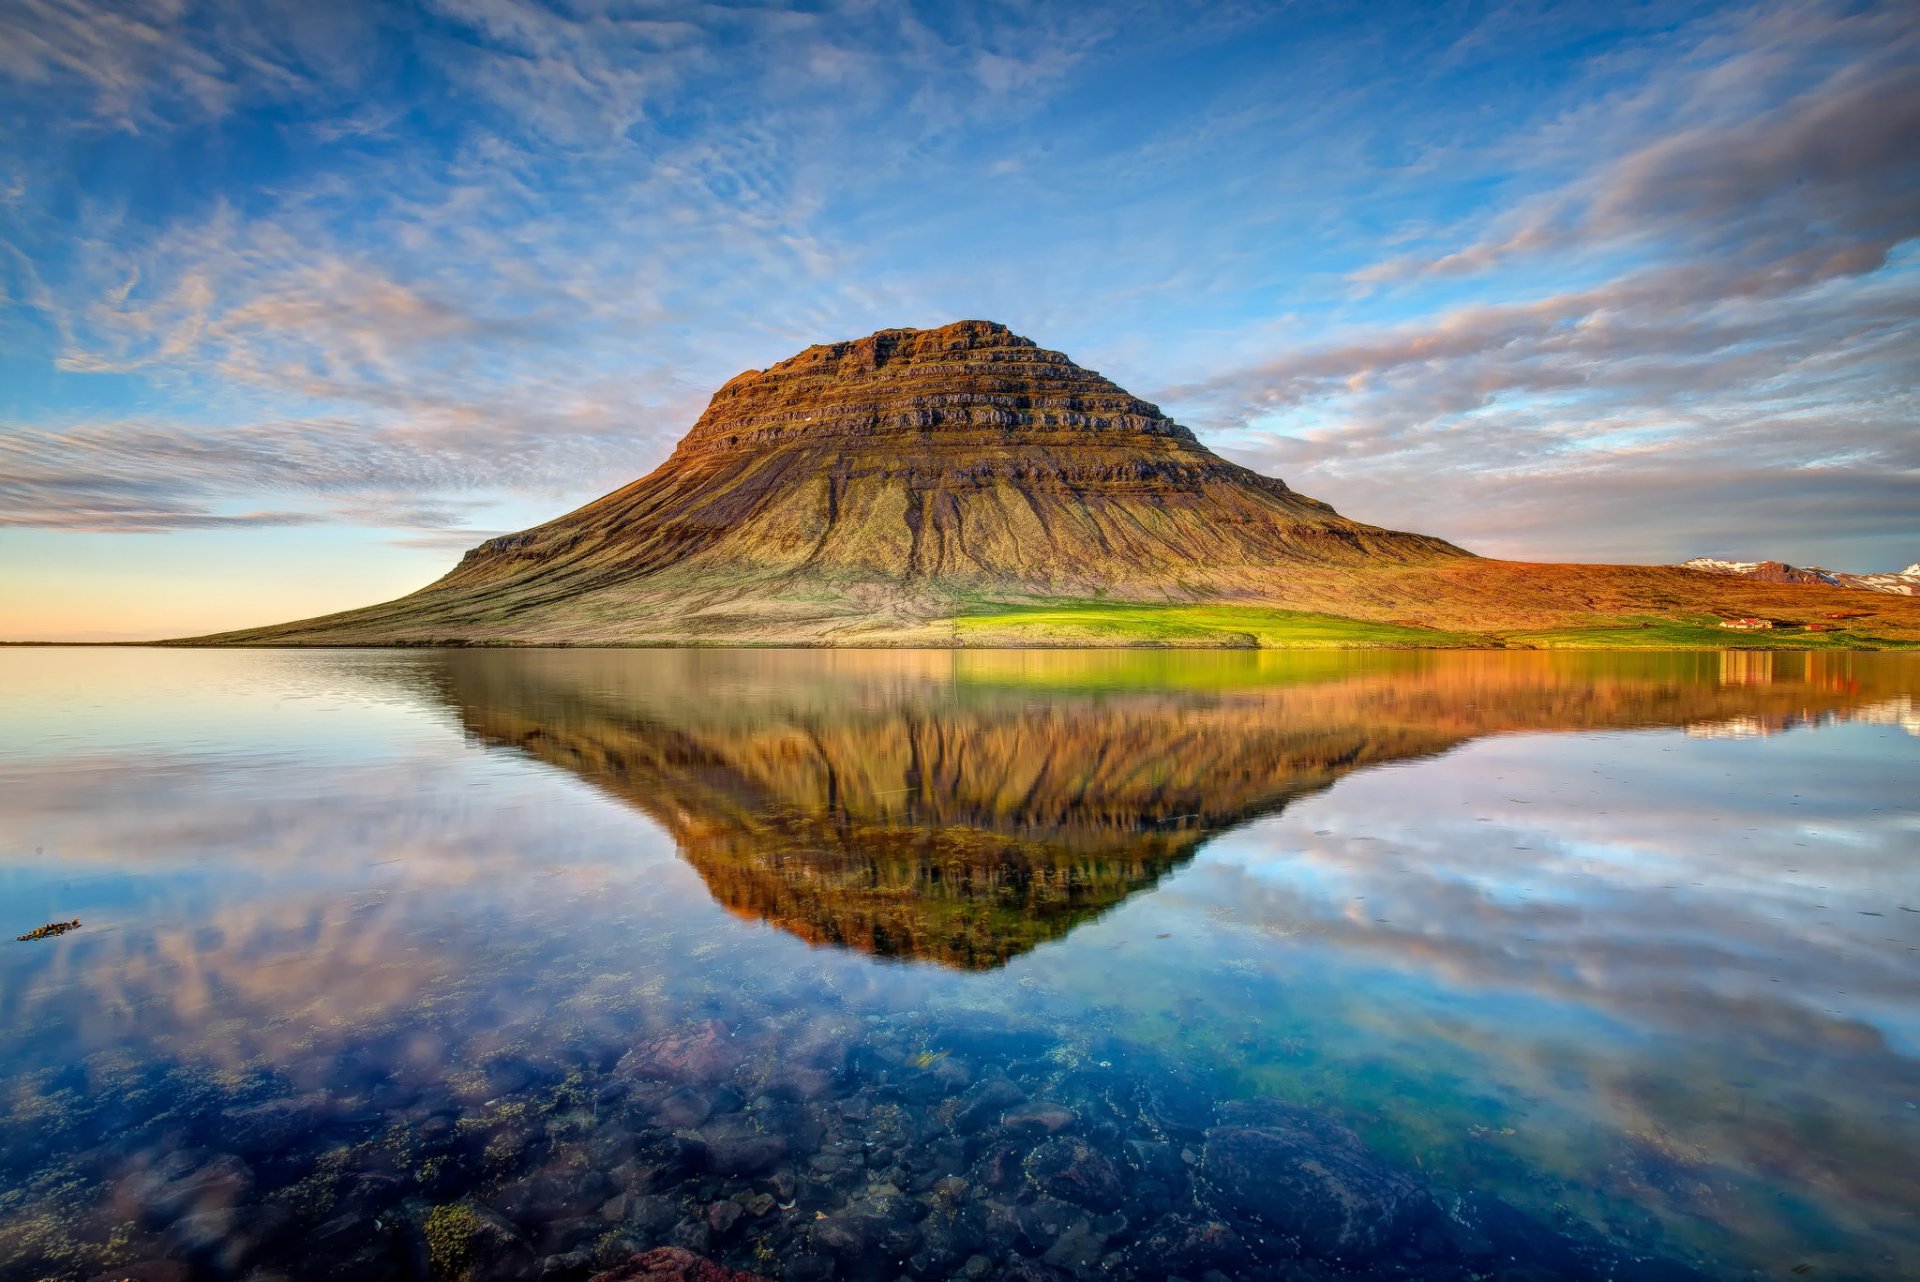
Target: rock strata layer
x=888, y=477
x=895, y=489
x=965, y=454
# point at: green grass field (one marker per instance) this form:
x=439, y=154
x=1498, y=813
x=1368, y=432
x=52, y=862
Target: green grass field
x=1068, y=623
x=1108, y=623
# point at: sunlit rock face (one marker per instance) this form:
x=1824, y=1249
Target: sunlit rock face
x=885, y=477
x=965, y=454
x=962, y=809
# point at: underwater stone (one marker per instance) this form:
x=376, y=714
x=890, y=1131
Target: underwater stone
x=569, y=1264
x=686, y=1107
x=1039, y=1116
x=849, y=1235
x=1045, y=1220
x=147, y=1271
x=674, y=1264
x=1312, y=1179
x=651, y=1215
x=982, y=1106
x=476, y=1239
x=1176, y=1104
x=722, y=1217
x=744, y=1155
x=540, y=1198
x=1075, y=1170
x=946, y=1238
x=703, y=1053
x=183, y=1184
x=1188, y=1245
x=272, y=1126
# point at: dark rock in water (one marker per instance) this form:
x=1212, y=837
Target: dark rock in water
x=183, y=1184
x=807, y=1267
x=573, y=1233
x=947, y=1239
x=227, y=1239
x=1040, y=1117
x=693, y=1234
x=849, y=1235
x=349, y=1246
x=1181, y=1244
x=743, y=1155
x=722, y=1217
x=273, y=1126
x=566, y=1266
x=1000, y=1167
x=1176, y=1104
x=1045, y=1221
x=1076, y=1171
x=982, y=1106
x=685, y=1108
x=651, y=1215
x=674, y=1264
x=703, y=1053
x=1485, y=1230
x=662, y=1161
x=935, y=1160
x=146, y=1271
x=1311, y=1179
x=541, y=1198
x=1158, y=1160
x=510, y=1075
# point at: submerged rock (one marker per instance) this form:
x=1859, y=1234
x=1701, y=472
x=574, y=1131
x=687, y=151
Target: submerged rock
x=1077, y=1172
x=267, y=1128
x=183, y=1184
x=686, y=1107
x=736, y=1154
x=674, y=1264
x=982, y=1106
x=703, y=1053
x=1185, y=1245
x=1311, y=1179
x=1039, y=1117
x=466, y=1239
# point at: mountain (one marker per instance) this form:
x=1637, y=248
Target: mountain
x=1899, y=582
x=964, y=486
x=963, y=808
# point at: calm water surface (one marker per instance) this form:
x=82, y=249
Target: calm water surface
x=960, y=965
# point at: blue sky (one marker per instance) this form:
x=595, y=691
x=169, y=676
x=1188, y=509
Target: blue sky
x=300, y=300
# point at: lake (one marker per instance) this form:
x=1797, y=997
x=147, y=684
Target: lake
x=987, y=964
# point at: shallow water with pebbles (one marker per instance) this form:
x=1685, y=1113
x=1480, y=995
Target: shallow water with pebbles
x=959, y=965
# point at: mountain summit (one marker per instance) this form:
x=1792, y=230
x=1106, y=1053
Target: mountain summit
x=963, y=485
x=964, y=455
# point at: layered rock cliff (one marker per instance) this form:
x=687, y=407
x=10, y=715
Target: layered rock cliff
x=902, y=488
x=964, y=454
x=884, y=478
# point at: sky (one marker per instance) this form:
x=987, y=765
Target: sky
x=298, y=301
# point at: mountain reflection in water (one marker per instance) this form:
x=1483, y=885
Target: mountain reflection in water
x=962, y=808
x=1606, y=960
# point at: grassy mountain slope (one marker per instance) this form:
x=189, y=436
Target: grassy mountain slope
x=962, y=486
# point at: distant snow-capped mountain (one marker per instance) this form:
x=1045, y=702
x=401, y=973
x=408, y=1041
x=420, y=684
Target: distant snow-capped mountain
x=1901, y=582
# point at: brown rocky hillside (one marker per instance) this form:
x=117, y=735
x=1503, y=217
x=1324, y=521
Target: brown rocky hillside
x=874, y=491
